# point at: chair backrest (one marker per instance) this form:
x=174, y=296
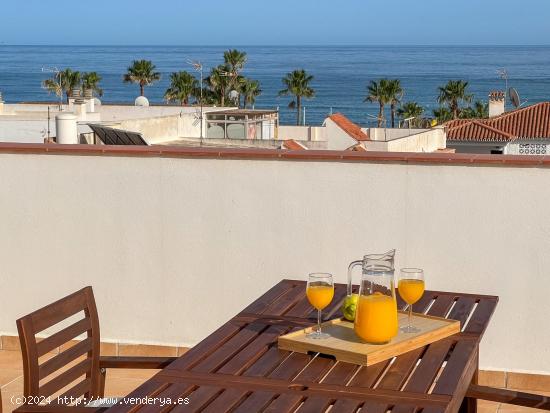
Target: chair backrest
x=82, y=357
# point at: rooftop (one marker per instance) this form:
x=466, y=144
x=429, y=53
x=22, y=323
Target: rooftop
x=531, y=122
x=352, y=129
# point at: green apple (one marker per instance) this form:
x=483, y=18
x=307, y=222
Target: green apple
x=349, y=307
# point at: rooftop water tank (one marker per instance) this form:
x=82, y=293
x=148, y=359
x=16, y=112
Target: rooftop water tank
x=66, y=131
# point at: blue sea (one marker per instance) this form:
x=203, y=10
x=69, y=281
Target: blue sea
x=340, y=73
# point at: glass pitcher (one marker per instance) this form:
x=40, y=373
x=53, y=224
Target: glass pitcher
x=376, y=313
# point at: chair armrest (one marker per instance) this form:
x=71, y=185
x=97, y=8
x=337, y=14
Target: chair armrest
x=122, y=362
x=508, y=397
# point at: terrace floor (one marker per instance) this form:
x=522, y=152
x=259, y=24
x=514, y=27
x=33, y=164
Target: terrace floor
x=121, y=382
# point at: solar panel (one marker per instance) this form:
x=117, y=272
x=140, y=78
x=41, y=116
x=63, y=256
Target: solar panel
x=111, y=136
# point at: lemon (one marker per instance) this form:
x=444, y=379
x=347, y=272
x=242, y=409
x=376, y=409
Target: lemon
x=350, y=306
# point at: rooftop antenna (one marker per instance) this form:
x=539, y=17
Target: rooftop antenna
x=503, y=74
x=197, y=65
x=58, y=74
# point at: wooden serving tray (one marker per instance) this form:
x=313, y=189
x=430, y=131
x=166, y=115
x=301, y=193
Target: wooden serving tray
x=345, y=346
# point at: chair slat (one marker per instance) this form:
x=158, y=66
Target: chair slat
x=64, y=358
x=58, y=311
x=66, y=378
x=63, y=336
x=78, y=390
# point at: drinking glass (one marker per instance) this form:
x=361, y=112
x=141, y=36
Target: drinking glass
x=320, y=292
x=411, y=289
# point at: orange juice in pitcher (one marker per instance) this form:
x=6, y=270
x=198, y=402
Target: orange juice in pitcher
x=376, y=314
x=376, y=318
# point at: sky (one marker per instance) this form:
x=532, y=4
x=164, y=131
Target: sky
x=277, y=22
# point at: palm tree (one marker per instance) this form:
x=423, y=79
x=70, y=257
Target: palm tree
x=219, y=82
x=183, y=85
x=451, y=94
x=90, y=81
x=479, y=110
x=53, y=85
x=378, y=92
x=143, y=73
x=297, y=83
x=250, y=90
x=442, y=114
x=234, y=61
x=65, y=81
x=395, y=93
x=412, y=111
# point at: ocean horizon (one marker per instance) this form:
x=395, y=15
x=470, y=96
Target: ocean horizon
x=341, y=73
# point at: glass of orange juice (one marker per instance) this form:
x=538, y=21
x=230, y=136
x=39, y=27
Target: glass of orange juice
x=320, y=292
x=411, y=289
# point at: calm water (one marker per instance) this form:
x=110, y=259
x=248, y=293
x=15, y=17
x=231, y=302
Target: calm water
x=341, y=73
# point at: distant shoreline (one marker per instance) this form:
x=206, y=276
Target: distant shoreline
x=279, y=45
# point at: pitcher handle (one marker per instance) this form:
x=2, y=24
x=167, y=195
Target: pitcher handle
x=350, y=269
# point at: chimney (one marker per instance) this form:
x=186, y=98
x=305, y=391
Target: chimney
x=497, y=100
x=80, y=108
x=89, y=98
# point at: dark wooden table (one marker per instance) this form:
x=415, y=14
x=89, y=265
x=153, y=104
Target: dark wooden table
x=240, y=369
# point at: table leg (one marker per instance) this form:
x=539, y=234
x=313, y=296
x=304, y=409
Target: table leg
x=469, y=405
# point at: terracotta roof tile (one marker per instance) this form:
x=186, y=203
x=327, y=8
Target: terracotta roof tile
x=531, y=122
x=292, y=145
x=352, y=129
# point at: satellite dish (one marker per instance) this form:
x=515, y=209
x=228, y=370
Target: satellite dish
x=233, y=95
x=514, y=97
x=141, y=101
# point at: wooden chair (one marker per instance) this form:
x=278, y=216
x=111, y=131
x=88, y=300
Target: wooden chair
x=508, y=397
x=89, y=367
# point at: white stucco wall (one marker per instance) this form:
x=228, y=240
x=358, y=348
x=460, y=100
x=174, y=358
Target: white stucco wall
x=155, y=130
x=175, y=247
x=388, y=134
x=426, y=141
x=406, y=140
x=337, y=139
x=303, y=133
